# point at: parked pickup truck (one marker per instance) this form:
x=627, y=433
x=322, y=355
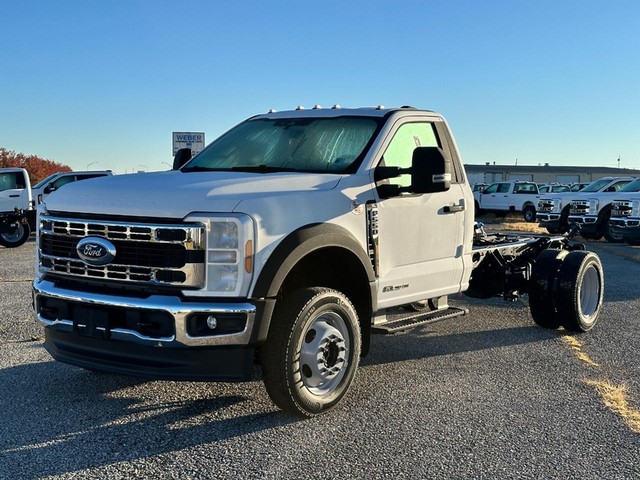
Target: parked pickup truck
x=16, y=209
x=505, y=197
x=289, y=240
x=625, y=219
x=553, y=211
x=53, y=182
x=592, y=213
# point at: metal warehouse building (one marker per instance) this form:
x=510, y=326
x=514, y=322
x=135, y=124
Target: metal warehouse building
x=543, y=173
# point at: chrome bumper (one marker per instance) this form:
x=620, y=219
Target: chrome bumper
x=582, y=219
x=175, y=306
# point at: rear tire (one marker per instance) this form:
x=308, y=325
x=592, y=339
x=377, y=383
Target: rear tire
x=312, y=351
x=17, y=237
x=542, y=286
x=580, y=291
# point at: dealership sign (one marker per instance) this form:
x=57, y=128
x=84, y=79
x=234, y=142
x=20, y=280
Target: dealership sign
x=192, y=140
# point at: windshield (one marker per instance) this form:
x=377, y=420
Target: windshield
x=595, y=186
x=302, y=144
x=632, y=187
x=43, y=182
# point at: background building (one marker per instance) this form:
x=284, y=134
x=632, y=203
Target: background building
x=543, y=173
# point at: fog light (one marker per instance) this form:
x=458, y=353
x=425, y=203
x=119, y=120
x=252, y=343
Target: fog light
x=212, y=322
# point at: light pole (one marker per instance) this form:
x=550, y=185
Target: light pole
x=92, y=163
x=144, y=166
x=169, y=165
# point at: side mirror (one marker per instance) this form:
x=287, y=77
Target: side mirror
x=610, y=189
x=182, y=156
x=50, y=188
x=430, y=170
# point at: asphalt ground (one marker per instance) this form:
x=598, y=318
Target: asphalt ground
x=487, y=395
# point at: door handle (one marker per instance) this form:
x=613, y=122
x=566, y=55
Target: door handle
x=14, y=196
x=453, y=208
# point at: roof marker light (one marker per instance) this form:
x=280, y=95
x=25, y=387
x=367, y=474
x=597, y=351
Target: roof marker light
x=336, y=107
x=380, y=107
x=272, y=110
x=299, y=107
x=317, y=107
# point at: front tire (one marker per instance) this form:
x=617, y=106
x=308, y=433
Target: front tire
x=529, y=214
x=18, y=236
x=312, y=351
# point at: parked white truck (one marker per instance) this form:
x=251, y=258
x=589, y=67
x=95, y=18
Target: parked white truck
x=592, y=212
x=289, y=240
x=502, y=198
x=625, y=218
x=16, y=207
x=553, y=210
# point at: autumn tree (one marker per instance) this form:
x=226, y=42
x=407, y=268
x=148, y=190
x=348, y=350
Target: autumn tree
x=38, y=168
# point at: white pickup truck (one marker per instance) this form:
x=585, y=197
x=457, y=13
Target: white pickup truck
x=625, y=218
x=593, y=211
x=16, y=207
x=502, y=198
x=553, y=210
x=289, y=240
x=59, y=179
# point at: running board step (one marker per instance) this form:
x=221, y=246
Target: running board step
x=413, y=320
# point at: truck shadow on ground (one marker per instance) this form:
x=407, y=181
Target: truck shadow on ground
x=73, y=419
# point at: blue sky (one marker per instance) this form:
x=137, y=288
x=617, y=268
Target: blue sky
x=103, y=84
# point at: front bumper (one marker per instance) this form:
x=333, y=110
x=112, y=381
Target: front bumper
x=588, y=224
x=548, y=220
x=627, y=228
x=158, y=336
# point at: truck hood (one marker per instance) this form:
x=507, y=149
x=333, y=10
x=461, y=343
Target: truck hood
x=175, y=194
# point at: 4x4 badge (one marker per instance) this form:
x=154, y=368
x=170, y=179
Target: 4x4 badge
x=96, y=251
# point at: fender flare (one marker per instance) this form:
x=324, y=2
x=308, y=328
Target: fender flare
x=299, y=243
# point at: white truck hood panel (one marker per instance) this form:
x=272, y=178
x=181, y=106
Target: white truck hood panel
x=175, y=194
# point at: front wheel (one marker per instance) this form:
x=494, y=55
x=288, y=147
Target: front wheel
x=18, y=235
x=312, y=351
x=529, y=214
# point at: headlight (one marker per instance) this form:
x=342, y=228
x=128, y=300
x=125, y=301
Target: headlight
x=594, y=206
x=635, y=211
x=229, y=259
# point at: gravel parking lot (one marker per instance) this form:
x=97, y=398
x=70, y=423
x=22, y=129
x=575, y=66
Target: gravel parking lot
x=487, y=395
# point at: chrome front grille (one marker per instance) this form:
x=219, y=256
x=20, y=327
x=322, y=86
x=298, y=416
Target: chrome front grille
x=621, y=208
x=147, y=253
x=579, y=207
x=545, y=206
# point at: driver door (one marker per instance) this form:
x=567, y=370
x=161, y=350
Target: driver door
x=420, y=241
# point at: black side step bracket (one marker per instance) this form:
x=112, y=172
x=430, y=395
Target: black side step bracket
x=413, y=320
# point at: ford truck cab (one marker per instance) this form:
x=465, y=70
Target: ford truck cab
x=288, y=240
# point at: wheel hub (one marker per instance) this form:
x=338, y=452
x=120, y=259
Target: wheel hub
x=324, y=353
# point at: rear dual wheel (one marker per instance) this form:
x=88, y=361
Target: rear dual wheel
x=566, y=290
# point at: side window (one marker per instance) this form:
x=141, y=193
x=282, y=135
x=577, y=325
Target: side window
x=7, y=181
x=619, y=185
x=503, y=188
x=400, y=151
x=63, y=181
x=492, y=188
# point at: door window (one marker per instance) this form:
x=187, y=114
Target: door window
x=12, y=180
x=409, y=136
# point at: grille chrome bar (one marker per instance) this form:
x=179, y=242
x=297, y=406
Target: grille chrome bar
x=155, y=254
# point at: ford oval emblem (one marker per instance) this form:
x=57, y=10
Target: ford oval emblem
x=96, y=250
